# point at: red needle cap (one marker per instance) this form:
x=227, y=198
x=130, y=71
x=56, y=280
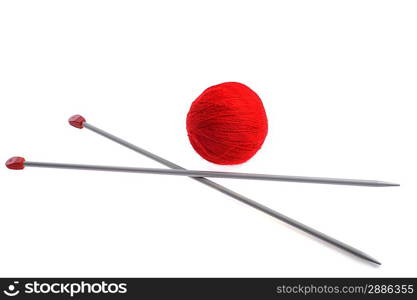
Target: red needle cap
x=16, y=163
x=76, y=121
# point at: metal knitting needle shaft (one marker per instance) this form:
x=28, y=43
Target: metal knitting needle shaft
x=79, y=122
x=194, y=173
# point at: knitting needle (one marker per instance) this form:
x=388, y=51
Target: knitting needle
x=80, y=122
x=194, y=173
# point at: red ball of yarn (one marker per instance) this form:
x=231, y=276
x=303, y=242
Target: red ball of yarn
x=227, y=123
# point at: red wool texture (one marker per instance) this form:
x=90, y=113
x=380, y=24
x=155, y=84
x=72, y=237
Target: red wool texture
x=227, y=123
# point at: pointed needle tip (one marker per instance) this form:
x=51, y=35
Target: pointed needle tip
x=390, y=184
x=376, y=262
x=373, y=260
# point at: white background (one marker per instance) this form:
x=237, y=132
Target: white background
x=338, y=81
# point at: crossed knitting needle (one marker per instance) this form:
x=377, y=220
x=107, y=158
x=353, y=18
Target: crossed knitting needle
x=17, y=163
